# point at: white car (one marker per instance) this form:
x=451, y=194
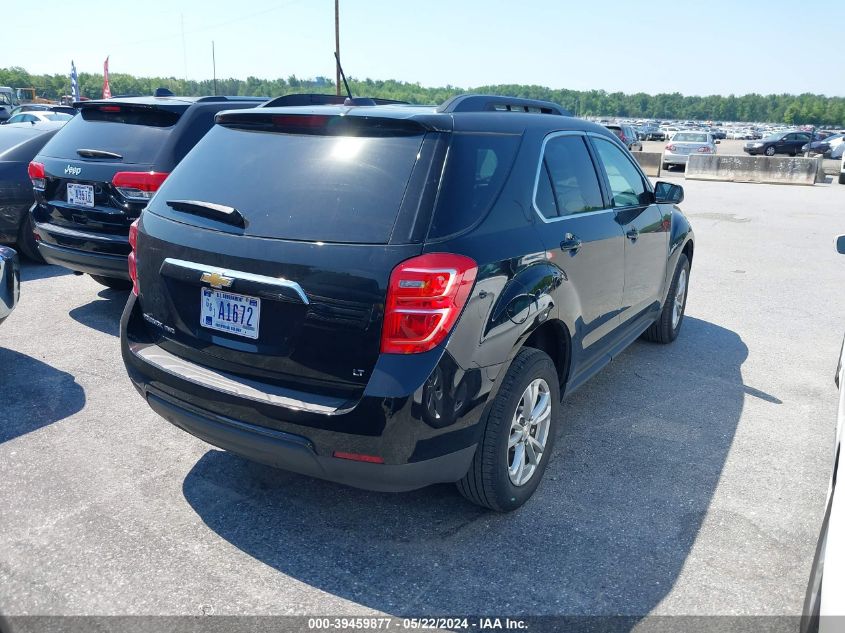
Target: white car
x=37, y=116
x=826, y=591
x=684, y=143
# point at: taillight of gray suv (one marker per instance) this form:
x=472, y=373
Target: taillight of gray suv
x=392, y=296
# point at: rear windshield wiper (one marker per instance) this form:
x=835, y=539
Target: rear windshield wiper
x=219, y=212
x=98, y=153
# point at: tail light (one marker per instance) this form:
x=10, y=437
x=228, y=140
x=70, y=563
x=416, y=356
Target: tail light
x=37, y=175
x=425, y=297
x=704, y=150
x=133, y=261
x=138, y=185
x=670, y=147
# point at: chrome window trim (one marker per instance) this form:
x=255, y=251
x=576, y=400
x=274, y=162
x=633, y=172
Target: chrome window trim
x=539, y=213
x=237, y=274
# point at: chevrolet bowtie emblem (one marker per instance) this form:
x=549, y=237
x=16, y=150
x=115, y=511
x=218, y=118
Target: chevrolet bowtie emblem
x=216, y=280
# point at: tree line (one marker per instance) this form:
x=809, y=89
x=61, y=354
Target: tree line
x=781, y=108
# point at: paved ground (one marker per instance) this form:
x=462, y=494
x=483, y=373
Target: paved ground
x=688, y=479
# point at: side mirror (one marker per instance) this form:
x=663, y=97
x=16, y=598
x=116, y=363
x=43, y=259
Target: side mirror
x=840, y=244
x=666, y=192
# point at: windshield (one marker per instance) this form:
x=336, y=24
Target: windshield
x=5, y=99
x=58, y=116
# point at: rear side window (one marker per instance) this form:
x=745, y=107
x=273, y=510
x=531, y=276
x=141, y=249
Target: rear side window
x=306, y=187
x=477, y=166
x=567, y=182
x=136, y=134
x=626, y=183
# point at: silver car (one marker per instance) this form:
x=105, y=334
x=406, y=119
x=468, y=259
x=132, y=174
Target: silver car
x=678, y=150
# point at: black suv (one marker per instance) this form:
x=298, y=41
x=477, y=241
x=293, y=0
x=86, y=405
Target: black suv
x=392, y=296
x=93, y=178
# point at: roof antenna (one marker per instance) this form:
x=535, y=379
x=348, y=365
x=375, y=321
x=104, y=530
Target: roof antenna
x=342, y=75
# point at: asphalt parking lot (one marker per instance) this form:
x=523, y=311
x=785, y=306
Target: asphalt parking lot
x=688, y=479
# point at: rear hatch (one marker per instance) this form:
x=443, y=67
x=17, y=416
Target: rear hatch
x=103, y=140
x=291, y=223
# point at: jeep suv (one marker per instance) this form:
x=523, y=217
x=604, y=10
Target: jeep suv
x=93, y=178
x=393, y=296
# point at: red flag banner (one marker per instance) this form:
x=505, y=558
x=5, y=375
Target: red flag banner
x=106, y=89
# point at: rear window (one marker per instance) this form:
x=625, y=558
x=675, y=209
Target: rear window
x=306, y=187
x=690, y=137
x=137, y=134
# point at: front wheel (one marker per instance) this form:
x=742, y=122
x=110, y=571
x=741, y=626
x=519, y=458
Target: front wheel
x=518, y=436
x=842, y=179
x=112, y=282
x=665, y=329
x=770, y=151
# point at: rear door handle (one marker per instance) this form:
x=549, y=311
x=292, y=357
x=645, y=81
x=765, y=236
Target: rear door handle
x=571, y=243
x=632, y=235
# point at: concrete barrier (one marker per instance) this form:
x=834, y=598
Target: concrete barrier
x=649, y=161
x=763, y=169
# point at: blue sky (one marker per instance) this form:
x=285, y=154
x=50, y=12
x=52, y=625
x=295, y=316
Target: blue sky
x=715, y=47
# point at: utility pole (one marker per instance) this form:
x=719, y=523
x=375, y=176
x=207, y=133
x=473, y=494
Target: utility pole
x=184, y=50
x=337, y=44
x=214, y=67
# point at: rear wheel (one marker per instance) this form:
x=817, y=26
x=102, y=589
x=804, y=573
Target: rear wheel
x=842, y=179
x=518, y=436
x=26, y=240
x=665, y=329
x=112, y=282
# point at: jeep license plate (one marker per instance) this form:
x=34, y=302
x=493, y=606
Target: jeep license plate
x=80, y=195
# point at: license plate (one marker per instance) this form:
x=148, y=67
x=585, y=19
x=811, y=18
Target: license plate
x=230, y=312
x=81, y=195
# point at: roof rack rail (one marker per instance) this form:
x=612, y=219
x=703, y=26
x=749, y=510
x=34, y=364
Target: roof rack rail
x=304, y=99
x=494, y=103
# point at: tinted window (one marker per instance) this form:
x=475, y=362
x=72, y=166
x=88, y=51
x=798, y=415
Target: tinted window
x=567, y=182
x=626, y=183
x=297, y=186
x=137, y=135
x=476, y=168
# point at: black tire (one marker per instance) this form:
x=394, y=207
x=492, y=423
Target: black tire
x=487, y=482
x=842, y=179
x=112, y=282
x=663, y=330
x=770, y=151
x=666, y=166
x=26, y=241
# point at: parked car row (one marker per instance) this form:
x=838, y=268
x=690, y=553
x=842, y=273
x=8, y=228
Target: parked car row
x=301, y=296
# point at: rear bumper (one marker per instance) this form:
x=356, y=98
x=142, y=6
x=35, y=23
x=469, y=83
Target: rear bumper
x=675, y=159
x=297, y=454
x=114, y=266
x=300, y=432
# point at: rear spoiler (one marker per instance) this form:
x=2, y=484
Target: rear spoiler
x=306, y=99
